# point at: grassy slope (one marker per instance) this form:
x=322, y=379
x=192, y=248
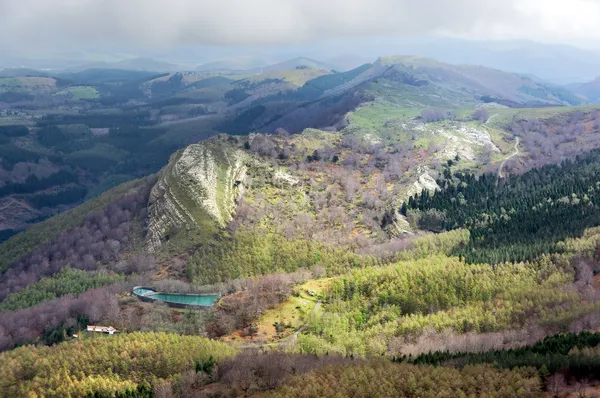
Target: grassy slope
x=293, y=313
x=298, y=77
x=505, y=115
x=31, y=84
x=80, y=92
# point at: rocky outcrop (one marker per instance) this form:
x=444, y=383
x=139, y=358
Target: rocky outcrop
x=397, y=225
x=467, y=142
x=199, y=188
x=283, y=177
x=423, y=182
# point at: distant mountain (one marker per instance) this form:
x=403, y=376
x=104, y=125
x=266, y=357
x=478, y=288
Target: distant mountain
x=398, y=81
x=136, y=64
x=260, y=66
x=233, y=64
x=296, y=63
x=347, y=62
x=145, y=64
x=103, y=76
x=481, y=82
x=559, y=64
x=590, y=90
x=22, y=72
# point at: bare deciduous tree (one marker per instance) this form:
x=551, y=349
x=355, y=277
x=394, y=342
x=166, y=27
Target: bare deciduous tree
x=555, y=384
x=481, y=114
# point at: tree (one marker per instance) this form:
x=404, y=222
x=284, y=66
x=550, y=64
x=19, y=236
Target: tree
x=436, y=115
x=581, y=388
x=480, y=114
x=164, y=390
x=404, y=209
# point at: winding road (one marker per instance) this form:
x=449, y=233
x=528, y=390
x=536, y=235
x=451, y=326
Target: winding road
x=292, y=339
x=491, y=118
x=500, y=175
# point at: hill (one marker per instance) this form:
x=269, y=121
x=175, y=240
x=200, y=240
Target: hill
x=134, y=64
x=417, y=206
x=312, y=205
x=22, y=72
x=92, y=113
x=590, y=90
x=557, y=63
x=296, y=63
x=402, y=82
x=242, y=63
x=486, y=81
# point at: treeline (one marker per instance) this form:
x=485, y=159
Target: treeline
x=51, y=321
x=105, y=365
x=64, y=196
x=34, y=184
x=239, y=309
x=429, y=285
x=517, y=218
x=248, y=254
x=564, y=352
x=34, y=237
x=99, y=239
x=10, y=154
x=168, y=365
x=99, y=120
x=278, y=374
x=563, y=136
x=67, y=281
x=374, y=310
x=380, y=378
x=436, y=115
x=14, y=131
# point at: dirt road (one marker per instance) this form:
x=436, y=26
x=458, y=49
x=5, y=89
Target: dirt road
x=500, y=175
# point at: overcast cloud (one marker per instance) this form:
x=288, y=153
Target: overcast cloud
x=33, y=24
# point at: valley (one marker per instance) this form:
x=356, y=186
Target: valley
x=407, y=220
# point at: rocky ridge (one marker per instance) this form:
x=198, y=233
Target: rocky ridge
x=199, y=188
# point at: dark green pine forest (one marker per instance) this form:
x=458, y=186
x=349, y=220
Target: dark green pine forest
x=516, y=218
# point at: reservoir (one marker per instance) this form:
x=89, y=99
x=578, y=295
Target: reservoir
x=180, y=300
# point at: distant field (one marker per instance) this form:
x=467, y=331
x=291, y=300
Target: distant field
x=506, y=114
x=374, y=116
x=297, y=77
x=14, y=120
x=80, y=92
x=9, y=83
x=26, y=83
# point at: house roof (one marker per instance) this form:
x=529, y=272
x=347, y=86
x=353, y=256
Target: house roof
x=102, y=327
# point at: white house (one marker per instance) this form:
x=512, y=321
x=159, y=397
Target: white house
x=102, y=329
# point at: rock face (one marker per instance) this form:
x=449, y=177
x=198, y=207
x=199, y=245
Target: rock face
x=199, y=188
x=397, y=225
x=424, y=182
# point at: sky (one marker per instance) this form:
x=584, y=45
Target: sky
x=34, y=26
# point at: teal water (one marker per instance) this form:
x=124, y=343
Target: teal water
x=143, y=292
x=206, y=301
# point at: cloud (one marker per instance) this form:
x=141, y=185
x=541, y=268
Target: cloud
x=80, y=24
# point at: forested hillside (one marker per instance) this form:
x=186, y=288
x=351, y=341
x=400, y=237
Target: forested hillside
x=405, y=211
x=91, y=368
x=68, y=137
x=517, y=218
